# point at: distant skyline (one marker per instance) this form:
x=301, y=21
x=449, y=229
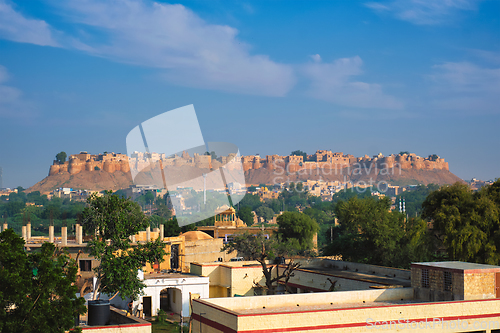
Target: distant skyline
x=359, y=77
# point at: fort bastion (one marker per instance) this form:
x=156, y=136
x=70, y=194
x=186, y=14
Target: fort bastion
x=325, y=159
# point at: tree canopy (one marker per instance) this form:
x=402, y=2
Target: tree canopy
x=265, y=212
x=246, y=215
x=299, y=153
x=467, y=222
x=298, y=228
x=261, y=249
x=370, y=233
x=37, y=290
x=112, y=219
x=61, y=157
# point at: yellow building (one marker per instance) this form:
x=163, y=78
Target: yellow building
x=384, y=310
x=236, y=278
x=245, y=278
x=227, y=225
x=227, y=218
x=192, y=246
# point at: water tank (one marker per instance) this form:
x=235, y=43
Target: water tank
x=98, y=313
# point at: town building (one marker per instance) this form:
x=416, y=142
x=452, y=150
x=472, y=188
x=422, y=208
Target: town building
x=473, y=308
x=228, y=225
x=245, y=278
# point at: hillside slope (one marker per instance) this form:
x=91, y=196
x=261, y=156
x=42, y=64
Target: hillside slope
x=99, y=180
x=400, y=177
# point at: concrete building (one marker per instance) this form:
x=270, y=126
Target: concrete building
x=192, y=246
x=172, y=293
x=229, y=279
x=227, y=225
x=245, y=278
x=455, y=280
x=387, y=310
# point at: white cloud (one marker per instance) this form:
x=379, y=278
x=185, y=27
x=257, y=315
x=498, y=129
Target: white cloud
x=15, y=27
x=424, y=12
x=464, y=86
x=333, y=82
x=11, y=103
x=316, y=57
x=192, y=52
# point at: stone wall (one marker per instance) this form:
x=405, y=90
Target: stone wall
x=322, y=159
x=479, y=285
x=325, y=159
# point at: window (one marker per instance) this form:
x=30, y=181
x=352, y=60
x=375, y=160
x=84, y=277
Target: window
x=447, y=281
x=85, y=265
x=425, y=278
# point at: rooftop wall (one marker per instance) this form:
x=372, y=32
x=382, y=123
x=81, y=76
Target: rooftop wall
x=121, y=324
x=219, y=315
x=311, y=299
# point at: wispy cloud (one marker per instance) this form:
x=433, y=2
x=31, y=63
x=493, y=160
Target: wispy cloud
x=191, y=52
x=467, y=87
x=424, y=12
x=12, y=104
x=15, y=27
x=333, y=82
x=172, y=37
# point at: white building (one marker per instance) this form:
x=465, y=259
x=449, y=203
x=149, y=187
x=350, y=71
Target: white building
x=172, y=292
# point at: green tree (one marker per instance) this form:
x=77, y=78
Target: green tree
x=171, y=228
x=262, y=249
x=299, y=153
x=251, y=189
x=163, y=211
x=298, y=228
x=149, y=198
x=112, y=220
x=155, y=221
x=213, y=155
x=246, y=215
x=467, y=223
x=251, y=200
x=61, y=157
x=322, y=213
x=415, y=197
x=265, y=212
x=37, y=291
x=433, y=157
x=369, y=232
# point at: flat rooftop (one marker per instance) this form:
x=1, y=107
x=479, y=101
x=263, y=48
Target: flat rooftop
x=173, y=275
x=320, y=307
x=322, y=301
x=458, y=265
x=360, y=276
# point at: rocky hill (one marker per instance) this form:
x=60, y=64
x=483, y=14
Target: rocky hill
x=400, y=177
x=98, y=180
x=110, y=171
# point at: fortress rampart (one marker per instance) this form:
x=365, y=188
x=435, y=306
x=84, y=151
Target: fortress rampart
x=324, y=159
x=112, y=162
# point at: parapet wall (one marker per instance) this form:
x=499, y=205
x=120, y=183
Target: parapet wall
x=324, y=159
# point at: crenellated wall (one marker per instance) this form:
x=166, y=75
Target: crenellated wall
x=324, y=159
x=328, y=160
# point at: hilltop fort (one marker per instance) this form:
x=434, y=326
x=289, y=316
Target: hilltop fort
x=113, y=171
x=322, y=159
x=325, y=159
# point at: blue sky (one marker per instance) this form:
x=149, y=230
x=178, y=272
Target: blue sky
x=358, y=77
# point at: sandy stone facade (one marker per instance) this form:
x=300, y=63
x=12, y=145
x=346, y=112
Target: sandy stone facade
x=326, y=159
x=322, y=159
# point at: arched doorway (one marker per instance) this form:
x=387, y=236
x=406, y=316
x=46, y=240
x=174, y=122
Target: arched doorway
x=171, y=300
